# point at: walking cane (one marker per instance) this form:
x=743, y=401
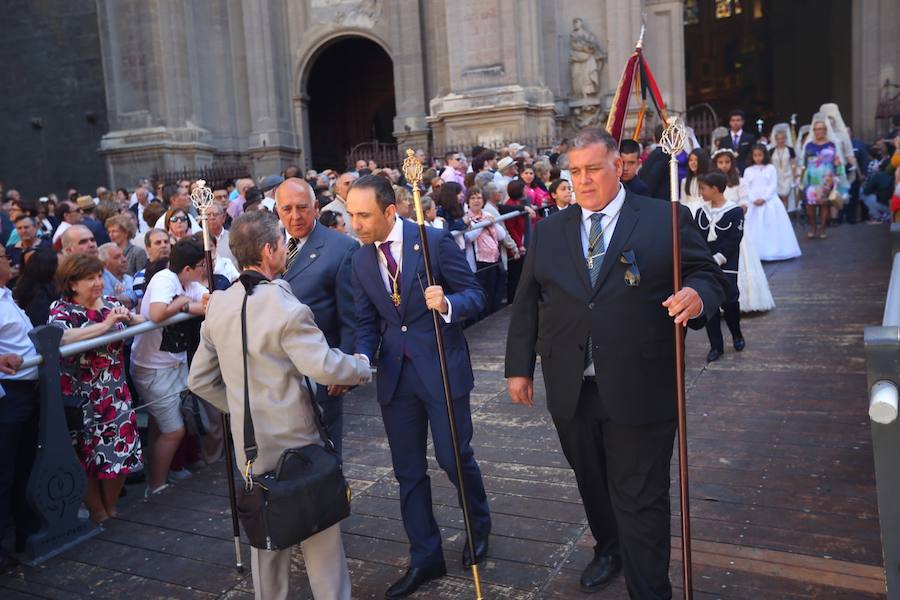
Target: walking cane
x=202, y=198
x=412, y=170
x=672, y=142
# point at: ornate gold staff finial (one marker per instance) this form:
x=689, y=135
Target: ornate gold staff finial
x=412, y=171
x=673, y=137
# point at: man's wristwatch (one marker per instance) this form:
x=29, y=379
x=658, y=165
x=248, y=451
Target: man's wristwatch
x=186, y=308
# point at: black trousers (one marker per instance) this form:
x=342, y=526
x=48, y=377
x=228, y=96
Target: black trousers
x=623, y=478
x=18, y=444
x=332, y=415
x=732, y=312
x=488, y=275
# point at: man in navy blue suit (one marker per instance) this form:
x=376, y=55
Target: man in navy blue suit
x=393, y=312
x=318, y=271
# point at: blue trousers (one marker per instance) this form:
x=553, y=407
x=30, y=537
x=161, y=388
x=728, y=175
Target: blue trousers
x=406, y=420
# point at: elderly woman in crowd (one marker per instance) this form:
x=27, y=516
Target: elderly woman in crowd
x=483, y=247
x=122, y=229
x=108, y=444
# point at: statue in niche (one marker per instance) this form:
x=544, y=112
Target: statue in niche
x=586, y=59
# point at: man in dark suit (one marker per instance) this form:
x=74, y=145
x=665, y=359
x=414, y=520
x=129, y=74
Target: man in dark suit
x=318, y=271
x=595, y=301
x=737, y=139
x=394, y=312
x=654, y=172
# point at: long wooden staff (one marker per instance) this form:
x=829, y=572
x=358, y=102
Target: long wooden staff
x=412, y=170
x=202, y=198
x=672, y=142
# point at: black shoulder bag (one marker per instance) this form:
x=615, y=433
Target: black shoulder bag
x=306, y=492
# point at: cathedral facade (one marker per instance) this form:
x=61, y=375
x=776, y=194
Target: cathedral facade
x=273, y=82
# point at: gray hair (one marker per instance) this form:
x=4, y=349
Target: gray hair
x=595, y=135
x=489, y=191
x=249, y=234
x=103, y=250
x=302, y=184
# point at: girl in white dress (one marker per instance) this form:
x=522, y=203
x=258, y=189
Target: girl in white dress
x=767, y=221
x=697, y=165
x=752, y=282
x=784, y=159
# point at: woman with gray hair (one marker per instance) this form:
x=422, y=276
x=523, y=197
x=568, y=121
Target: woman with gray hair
x=281, y=353
x=122, y=229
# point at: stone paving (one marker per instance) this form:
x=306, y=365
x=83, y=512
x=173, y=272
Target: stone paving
x=782, y=482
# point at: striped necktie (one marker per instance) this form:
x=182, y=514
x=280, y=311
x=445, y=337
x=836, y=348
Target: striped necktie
x=596, y=251
x=293, y=249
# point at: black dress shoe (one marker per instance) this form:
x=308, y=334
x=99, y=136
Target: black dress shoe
x=7, y=562
x=599, y=572
x=414, y=578
x=481, y=550
x=739, y=344
x=713, y=355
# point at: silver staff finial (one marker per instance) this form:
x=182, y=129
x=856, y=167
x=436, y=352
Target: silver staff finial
x=673, y=137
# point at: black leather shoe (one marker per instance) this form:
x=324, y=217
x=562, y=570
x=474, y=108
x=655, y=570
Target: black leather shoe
x=713, y=355
x=7, y=562
x=599, y=572
x=414, y=578
x=481, y=550
x=739, y=344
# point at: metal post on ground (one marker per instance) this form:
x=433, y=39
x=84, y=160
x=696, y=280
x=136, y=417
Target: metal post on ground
x=882, y=346
x=57, y=482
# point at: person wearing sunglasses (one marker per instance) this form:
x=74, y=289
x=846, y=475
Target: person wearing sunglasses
x=177, y=224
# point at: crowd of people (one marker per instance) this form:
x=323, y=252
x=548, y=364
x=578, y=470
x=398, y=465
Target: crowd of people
x=95, y=263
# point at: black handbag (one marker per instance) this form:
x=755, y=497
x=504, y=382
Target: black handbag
x=306, y=492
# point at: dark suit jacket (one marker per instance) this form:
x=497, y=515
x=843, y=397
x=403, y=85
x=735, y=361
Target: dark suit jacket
x=633, y=336
x=745, y=145
x=320, y=278
x=655, y=173
x=411, y=327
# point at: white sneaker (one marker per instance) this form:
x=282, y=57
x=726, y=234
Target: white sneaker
x=179, y=475
x=148, y=492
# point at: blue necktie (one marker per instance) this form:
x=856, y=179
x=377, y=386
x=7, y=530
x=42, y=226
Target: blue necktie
x=594, y=258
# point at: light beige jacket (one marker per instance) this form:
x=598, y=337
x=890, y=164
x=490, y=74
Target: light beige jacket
x=284, y=344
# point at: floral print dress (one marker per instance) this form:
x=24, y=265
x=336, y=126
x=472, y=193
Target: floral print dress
x=108, y=445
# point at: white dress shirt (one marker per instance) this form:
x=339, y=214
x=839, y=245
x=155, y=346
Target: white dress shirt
x=14, y=328
x=396, y=238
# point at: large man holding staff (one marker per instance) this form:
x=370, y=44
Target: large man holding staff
x=394, y=305
x=595, y=302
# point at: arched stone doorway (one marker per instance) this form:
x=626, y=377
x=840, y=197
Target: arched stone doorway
x=350, y=99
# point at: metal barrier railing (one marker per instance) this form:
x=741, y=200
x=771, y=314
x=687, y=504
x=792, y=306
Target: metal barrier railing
x=882, y=346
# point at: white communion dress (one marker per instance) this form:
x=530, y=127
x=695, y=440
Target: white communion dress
x=768, y=225
x=755, y=295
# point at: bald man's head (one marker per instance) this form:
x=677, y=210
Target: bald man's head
x=78, y=239
x=295, y=202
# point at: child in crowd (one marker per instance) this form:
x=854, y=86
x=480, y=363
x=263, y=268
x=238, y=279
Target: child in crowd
x=723, y=223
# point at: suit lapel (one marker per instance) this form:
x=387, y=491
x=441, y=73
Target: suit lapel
x=573, y=239
x=308, y=254
x=412, y=255
x=628, y=218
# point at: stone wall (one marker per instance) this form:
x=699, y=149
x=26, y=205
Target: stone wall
x=53, y=102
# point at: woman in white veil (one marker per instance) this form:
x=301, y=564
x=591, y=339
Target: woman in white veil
x=784, y=159
x=801, y=139
x=845, y=147
x=717, y=134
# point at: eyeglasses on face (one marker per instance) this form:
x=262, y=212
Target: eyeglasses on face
x=179, y=219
